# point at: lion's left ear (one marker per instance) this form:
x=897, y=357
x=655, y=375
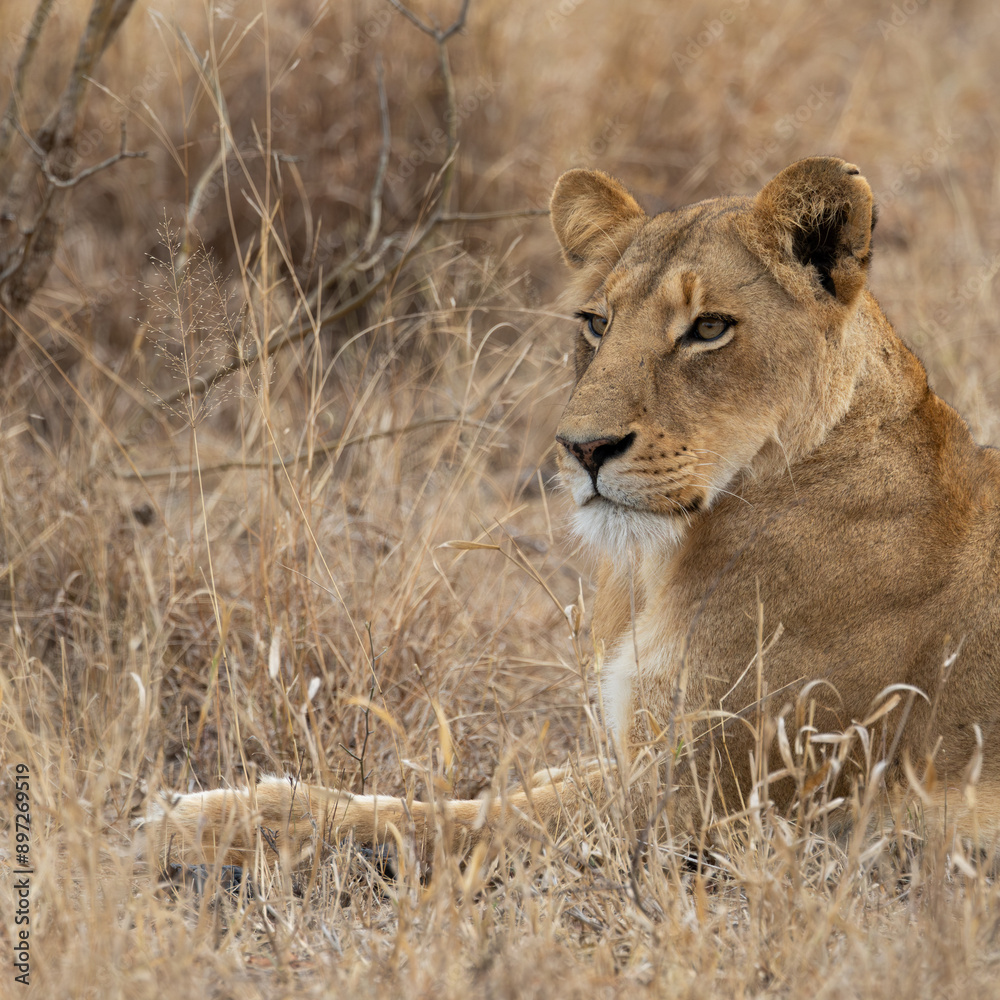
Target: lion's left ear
x=812, y=224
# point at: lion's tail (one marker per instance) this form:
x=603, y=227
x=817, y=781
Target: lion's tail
x=294, y=819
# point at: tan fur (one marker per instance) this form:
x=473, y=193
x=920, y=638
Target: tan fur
x=798, y=468
x=228, y=826
x=809, y=471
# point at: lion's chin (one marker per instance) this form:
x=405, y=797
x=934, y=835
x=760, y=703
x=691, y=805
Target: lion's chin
x=613, y=529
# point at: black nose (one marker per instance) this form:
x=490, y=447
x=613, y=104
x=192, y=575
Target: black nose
x=593, y=454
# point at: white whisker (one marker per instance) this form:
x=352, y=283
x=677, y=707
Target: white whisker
x=788, y=464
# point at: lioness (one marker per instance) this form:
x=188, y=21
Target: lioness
x=758, y=459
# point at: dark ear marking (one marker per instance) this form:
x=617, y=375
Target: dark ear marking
x=817, y=247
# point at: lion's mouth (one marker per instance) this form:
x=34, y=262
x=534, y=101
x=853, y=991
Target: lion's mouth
x=678, y=508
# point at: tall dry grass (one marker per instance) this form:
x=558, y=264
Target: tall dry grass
x=201, y=586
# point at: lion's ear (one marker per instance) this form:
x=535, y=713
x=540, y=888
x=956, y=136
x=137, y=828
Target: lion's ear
x=594, y=217
x=816, y=218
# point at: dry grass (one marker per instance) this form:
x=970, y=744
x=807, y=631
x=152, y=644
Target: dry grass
x=199, y=589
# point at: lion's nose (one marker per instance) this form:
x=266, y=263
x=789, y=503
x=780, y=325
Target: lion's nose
x=594, y=453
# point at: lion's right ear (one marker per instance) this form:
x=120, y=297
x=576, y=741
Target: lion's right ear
x=594, y=217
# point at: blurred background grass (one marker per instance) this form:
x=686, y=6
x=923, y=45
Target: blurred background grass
x=201, y=585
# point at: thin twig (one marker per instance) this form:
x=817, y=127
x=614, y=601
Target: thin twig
x=450, y=119
x=410, y=16
x=375, y=222
x=122, y=154
x=32, y=145
x=436, y=33
x=458, y=24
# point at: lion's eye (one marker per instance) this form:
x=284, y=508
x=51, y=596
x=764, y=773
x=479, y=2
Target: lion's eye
x=710, y=327
x=596, y=324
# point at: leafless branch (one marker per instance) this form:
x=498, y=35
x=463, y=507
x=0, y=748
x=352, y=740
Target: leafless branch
x=436, y=33
x=122, y=154
x=410, y=16
x=11, y=114
x=32, y=212
x=458, y=24
x=450, y=120
x=106, y=17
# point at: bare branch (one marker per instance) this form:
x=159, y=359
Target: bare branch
x=457, y=25
x=451, y=118
x=106, y=17
x=122, y=154
x=437, y=34
x=119, y=11
x=450, y=121
x=11, y=115
x=32, y=145
x=32, y=210
x=410, y=16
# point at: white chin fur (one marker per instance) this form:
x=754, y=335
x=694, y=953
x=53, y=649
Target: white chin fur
x=613, y=529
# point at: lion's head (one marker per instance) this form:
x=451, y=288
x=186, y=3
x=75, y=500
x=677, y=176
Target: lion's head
x=713, y=339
